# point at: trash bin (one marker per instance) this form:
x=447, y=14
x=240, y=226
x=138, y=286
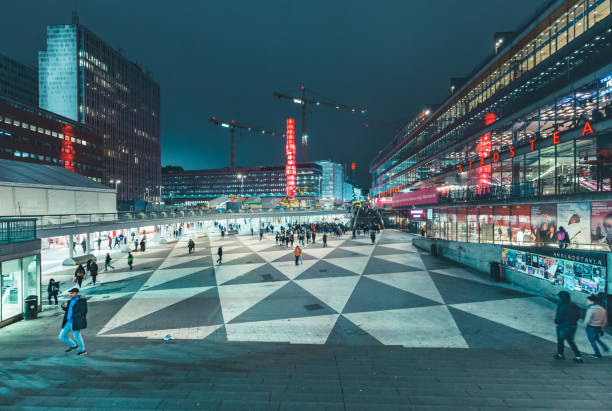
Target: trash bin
x=31, y=307
x=497, y=271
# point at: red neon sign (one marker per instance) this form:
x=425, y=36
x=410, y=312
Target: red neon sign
x=67, y=155
x=290, y=169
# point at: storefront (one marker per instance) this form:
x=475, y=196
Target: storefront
x=20, y=275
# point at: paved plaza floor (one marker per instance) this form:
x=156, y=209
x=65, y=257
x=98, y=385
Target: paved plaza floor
x=354, y=326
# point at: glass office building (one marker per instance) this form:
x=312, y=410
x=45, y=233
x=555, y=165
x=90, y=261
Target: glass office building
x=332, y=182
x=84, y=79
x=191, y=187
x=530, y=127
x=18, y=81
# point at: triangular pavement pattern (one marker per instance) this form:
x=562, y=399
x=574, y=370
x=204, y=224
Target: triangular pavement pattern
x=380, y=266
x=347, y=333
x=323, y=269
x=189, y=333
x=183, y=312
x=169, y=274
x=416, y=282
x=381, y=250
x=135, y=308
x=343, y=253
x=202, y=278
x=250, y=258
x=237, y=250
x=264, y=273
x=187, y=262
x=408, y=247
x=457, y=291
x=291, y=257
x=429, y=327
x=271, y=256
x=290, y=301
x=218, y=336
x=225, y=273
x=302, y=330
x=291, y=270
x=318, y=252
x=479, y=332
x=354, y=264
x=235, y=299
x=370, y=295
x=409, y=259
x=355, y=243
x=334, y=292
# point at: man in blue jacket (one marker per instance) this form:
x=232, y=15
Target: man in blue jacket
x=566, y=320
x=75, y=320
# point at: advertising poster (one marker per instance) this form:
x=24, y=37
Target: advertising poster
x=576, y=219
x=521, y=225
x=601, y=224
x=544, y=223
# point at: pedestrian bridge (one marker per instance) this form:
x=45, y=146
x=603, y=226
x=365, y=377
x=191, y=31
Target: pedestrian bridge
x=60, y=225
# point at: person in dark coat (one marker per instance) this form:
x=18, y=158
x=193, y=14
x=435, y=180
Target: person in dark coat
x=107, y=262
x=324, y=239
x=220, y=254
x=93, y=270
x=130, y=260
x=79, y=274
x=75, y=320
x=566, y=320
x=53, y=290
x=142, y=245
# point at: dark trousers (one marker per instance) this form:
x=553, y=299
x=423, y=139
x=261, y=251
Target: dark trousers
x=297, y=259
x=54, y=295
x=79, y=280
x=567, y=334
x=219, y=259
x=593, y=334
x=93, y=278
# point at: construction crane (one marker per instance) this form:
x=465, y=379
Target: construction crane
x=304, y=102
x=232, y=125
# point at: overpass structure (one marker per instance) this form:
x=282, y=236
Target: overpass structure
x=64, y=225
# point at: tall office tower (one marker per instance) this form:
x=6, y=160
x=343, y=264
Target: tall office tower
x=83, y=78
x=18, y=82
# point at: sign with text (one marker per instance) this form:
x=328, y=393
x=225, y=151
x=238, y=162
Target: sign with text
x=426, y=196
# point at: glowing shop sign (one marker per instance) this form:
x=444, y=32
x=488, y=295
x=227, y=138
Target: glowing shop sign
x=290, y=170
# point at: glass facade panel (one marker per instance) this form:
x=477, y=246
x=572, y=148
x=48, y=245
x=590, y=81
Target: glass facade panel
x=472, y=225
x=11, y=289
x=485, y=220
x=31, y=276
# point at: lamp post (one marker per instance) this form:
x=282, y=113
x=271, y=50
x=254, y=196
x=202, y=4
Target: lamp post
x=116, y=182
x=147, y=194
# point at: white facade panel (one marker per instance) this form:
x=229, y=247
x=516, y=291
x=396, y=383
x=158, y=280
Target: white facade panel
x=7, y=205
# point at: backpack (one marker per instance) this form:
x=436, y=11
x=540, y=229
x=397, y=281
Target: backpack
x=561, y=235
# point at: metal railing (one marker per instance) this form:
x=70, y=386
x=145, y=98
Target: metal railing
x=43, y=222
x=13, y=230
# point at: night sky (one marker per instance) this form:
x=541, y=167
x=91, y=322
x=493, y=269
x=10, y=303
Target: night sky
x=226, y=58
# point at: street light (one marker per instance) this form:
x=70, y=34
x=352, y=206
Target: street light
x=116, y=182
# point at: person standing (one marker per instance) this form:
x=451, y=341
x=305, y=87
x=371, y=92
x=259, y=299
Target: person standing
x=130, y=260
x=260, y=234
x=373, y=236
x=324, y=239
x=107, y=262
x=53, y=290
x=79, y=274
x=595, y=320
x=563, y=238
x=220, y=254
x=314, y=236
x=142, y=245
x=190, y=245
x=566, y=319
x=84, y=245
x=110, y=242
x=135, y=245
x=276, y=238
x=251, y=231
x=93, y=271
x=99, y=243
x=298, y=252
x=75, y=320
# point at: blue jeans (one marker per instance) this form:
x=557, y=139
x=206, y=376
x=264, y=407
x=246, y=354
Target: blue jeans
x=78, y=340
x=593, y=335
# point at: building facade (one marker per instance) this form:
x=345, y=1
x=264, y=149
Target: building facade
x=190, y=187
x=84, y=79
x=18, y=81
x=332, y=183
x=522, y=146
x=34, y=135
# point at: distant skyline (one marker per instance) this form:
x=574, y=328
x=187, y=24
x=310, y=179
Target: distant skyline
x=226, y=59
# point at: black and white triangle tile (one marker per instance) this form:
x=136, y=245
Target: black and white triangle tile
x=351, y=292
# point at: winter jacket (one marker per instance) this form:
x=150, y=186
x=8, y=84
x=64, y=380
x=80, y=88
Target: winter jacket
x=595, y=316
x=568, y=313
x=79, y=314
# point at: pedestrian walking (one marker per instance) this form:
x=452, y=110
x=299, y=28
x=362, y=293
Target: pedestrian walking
x=88, y=266
x=566, y=320
x=373, y=236
x=563, y=238
x=99, y=243
x=298, y=252
x=142, y=245
x=93, y=271
x=276, y=238
x=110, y=242
x=251, y=231
x=75, y=320
x=84, y=245
x=135, y=245
x=595, y=320
x=73, y=246
x=107, y=262
x=324, y=239
x=220, y=254
x=190, y=245
x=79, y=274
x=53, y=290
x=130, y=260
x=314, y=236
x=260, y=234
